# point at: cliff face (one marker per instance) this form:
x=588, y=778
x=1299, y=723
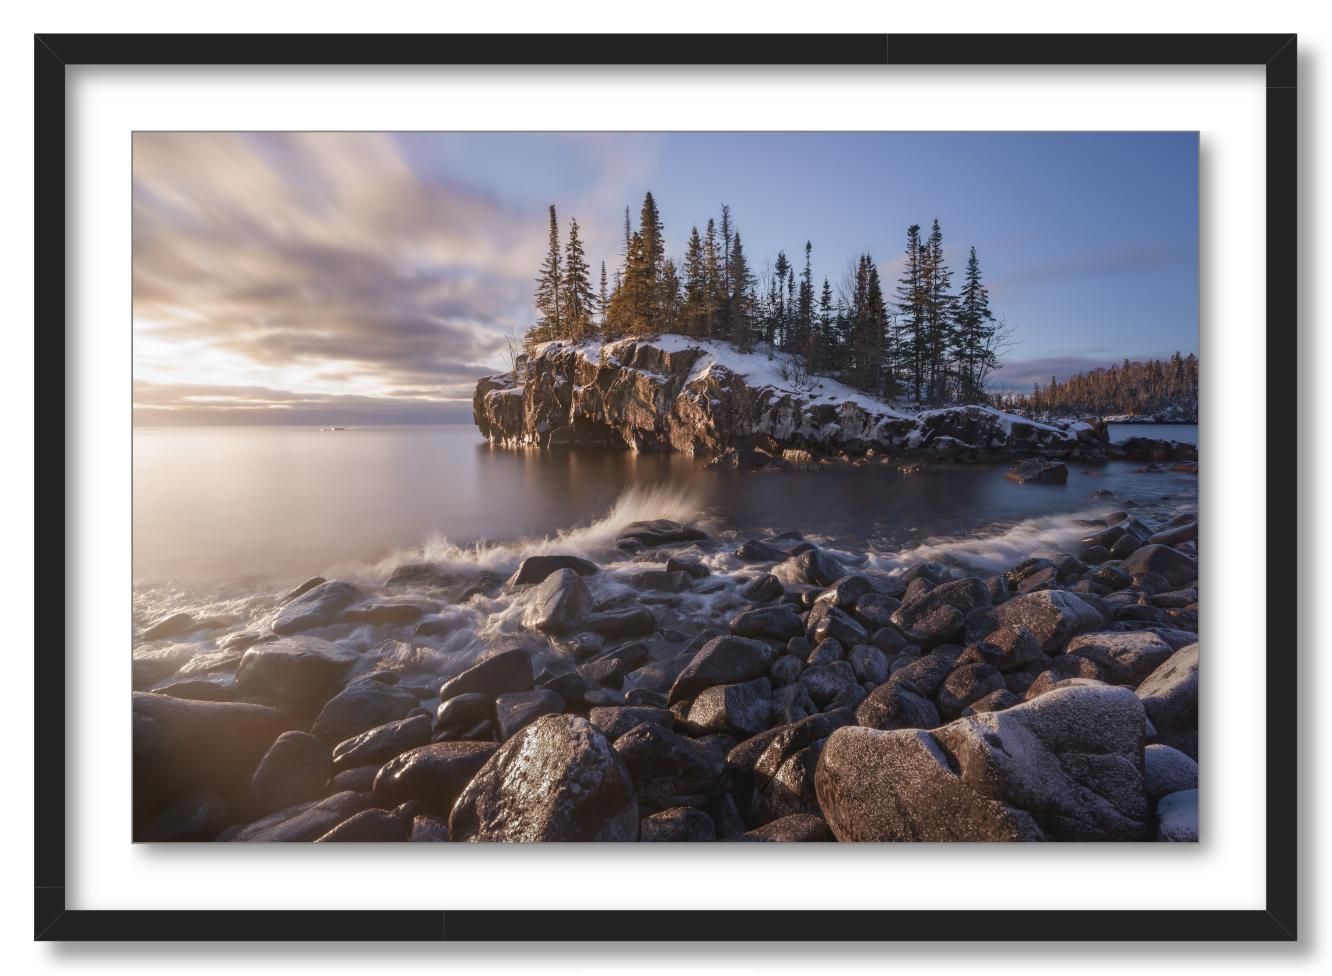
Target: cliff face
x=677, y=394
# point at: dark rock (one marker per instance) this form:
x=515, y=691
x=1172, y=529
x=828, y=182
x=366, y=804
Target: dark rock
x=1125, y=545
x=835, y=624
x=508, y=671
x=302, y=823
x=936, y=573
x=791, y=703
x=1170, y=698
x=361, y=707
x=874, y=611
x=534, y=569
x=304, y=588
x=1146, y=614
x=622, y=622
x=1019, y=682
x=517, y=710
x=294, y=770
x=1038, y=469
x=368, y=826
x=741, y=710
x=1044, y=579
x=824, y=682
x=1152, y=581
x=928, y=673
x=781, y=622
x=1026, y=568
x=656, y=580
x=818, y=568
x=799, y=647
x=198, y=690
x=678, y=824
x=785, y=670
x=643, y=698
x=658, y=532
x=761, y=589
x=1100, y=606
x=964, y=595
x=434, y=774
x=998, y=589
x=995, y=701
x=1066, y=767
x=614, y=721
x=323, y=604
x=299, y=668
x=869, y=663
x=358, y=779
x=916, y=589
x=826, y=652
x=890, y=641
x=696, y=570
x=197, y=817
x=1094, y=555
x=559, y=603
x=1052, y=616
x=1110, y=576
x=463, y=710
x=429, y=828
x=929, y=621
x=1123, y=658
x=668, y=769
x=1177, y=817
x=381, y=744
x=797, y=828
x=789, y=789
x=1168, y=771
x=177, y=623
x=1047, y=681
x=846, y=592
x=754, y=551
x=1018, y=646
x=785, y=743
x=722, y=661
x=483, y=731
x=849, y=698
x=181, y=747
x=726, y=817
x=967, y=684
x=1177, y=568
x=981, y=652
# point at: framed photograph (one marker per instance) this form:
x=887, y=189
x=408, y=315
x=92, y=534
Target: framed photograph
x=829, y=476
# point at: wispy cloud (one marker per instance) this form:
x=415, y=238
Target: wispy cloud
x=1101, y=262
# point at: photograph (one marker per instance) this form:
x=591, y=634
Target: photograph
x=748, y=486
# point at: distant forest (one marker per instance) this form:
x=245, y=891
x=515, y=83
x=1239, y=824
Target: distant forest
x=925, y=342
x=1144, y=389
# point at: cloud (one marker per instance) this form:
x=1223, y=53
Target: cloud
x=191, y=404
x=1099, y=262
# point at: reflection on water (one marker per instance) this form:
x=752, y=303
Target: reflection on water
x=214, y=505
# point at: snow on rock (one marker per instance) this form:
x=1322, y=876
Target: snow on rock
x=675, y=393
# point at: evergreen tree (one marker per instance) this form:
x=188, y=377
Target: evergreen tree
x=579, y=302
x=603, y=299
x=742, y=291
x=695, y=284
x=805, y=308
x=669, y=314
x=712, y=290
x=548, y=290
x=725, y=289
x=911, y=301
x=652, y=253
x=975, y=328
x=938, y=313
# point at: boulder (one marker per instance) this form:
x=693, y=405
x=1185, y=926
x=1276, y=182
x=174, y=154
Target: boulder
x=777, y=745
x=667, y=769
x=198, y=689
x=323, y=604
x=383, y=613
x=869, y=663
x=754, y=551
x=1066, y=667
x=294, y=668
x=534, y=569
x=934, y=573
x=614, y=721
x=305, y=587
x=463, y=710
x=434, y=774
x=381, y=744
x=696, y=570
x=835, y=624
x=964, y=595
x=1039, y=470
x=928, y=621
x=968, y=683
x=197, y=816
x=429, y=828
x=655, y=579
x=929, y=672
x=790, y=788
x=897, y=705
x=791, y=703
x=1045, y=579
x=1053, y=617
x=1177, y=817
x=980, y=653
x=517, y=710
x=1094, y=555
x=785, y=670
x=377, y=826
x=559, y=603
x=1170, y=698
x=890, y=641
x=761, y=589
x=825, y=682
x=797, y=828
x=722, y=661
x=874, y=611
x=1125, y=659
x=361, y=707
x=995, y=701
x=507, y=671
x=818, y=568
x=1174, y=565
x=622, y=622
x=177, y=623
x=846, y=591
x=676, y=825
x=302, y=823
x=1020, y=648
x=656, y=532
x=781, y=622
x=181, y=747
x=826, y=652
x=741, y=710
x=1168, y=771
x=294, y=770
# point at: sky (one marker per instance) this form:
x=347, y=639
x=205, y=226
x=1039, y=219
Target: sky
x=370, y=278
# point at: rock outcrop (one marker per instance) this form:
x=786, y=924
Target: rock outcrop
x=694, y=397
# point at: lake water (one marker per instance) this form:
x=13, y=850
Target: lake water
x=1187, y=433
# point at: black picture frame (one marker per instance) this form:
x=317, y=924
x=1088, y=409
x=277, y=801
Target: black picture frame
x=1277, y=921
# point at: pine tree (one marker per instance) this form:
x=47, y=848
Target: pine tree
x=670, y=297
x=975, y=328
x=725, y=291
x=652, y=253
x=603, y=300
x=742, y=292
x=579, y=302
x=548, y=298
x=911, y=301
x=805, y=308
x=695, y=284
x=938, y=313
x=712, y=288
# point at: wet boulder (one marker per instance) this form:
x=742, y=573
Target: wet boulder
x=694, y=569
x=1094, y=555
x=826, y=652
x=1044, y=579
x=928, y=621
x=818, y=568
x=791, y=703
x=761, y=589
x=755, y=551
x=198, y=816
x=181, y=747
x=964, y=595
x=897, y=705
x=382, y=743
x=890, y=641
x=361, y=707
x=722, y=661
x=785, y=670
x=294, y=668
x=825, y=682
x=657, y=580
x=535, y=569
x=968, y=683
x=559, y=603
x=368, y=826
x=995, y=701
x=304, y=822
x=463, y=710
x=833, y=623
x=507, y=671
x=874, y=611
x=1018, y=646
x=1172, y=564
x=797, y=828
x=846, y=591
x=1038, y=470
x=323, y=604
x=1168, y=771
x=198, y=689
x=933, y=573
x=667, y=769
x=780, y=622
x=677, y=825
x=981, y=652
x=1170, y=698
x=435, y=774
x=740, y=710
x=1125, y=659
x=614, y=721
x=620, y=622
x=295, y=769
x=1053, y=617
x=656, y=532
x=869, y=663
x=929, y=672
x=790, y=788
x=775, y=746
x=519, y=709
x=177, y=623
x=429, y=828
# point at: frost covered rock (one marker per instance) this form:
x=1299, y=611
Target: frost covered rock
x=1170, y=698
x=1124, y=659
x=1168, y=771
x=1177, y=817
x=1053, y=617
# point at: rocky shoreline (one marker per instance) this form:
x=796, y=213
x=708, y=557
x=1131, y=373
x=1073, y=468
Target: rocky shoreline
x=687, y=687
x=673, y=394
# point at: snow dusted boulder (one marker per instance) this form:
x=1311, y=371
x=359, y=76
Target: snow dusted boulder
x=1053, y=617
x=675, y=393
x=1170, y=698
x=1125, y=659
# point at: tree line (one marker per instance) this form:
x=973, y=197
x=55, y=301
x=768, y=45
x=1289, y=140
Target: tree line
x=925, y=342
x=1144, y=389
